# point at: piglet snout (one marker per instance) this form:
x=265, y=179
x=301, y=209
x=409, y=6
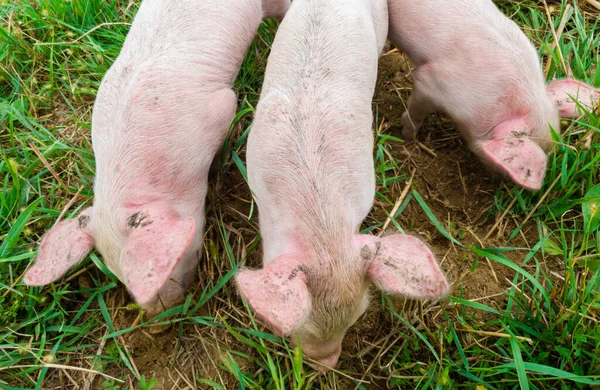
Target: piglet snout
x=326, y=353
x=330, y=361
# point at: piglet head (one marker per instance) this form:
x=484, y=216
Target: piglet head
x=156, y=239
x=316, y=305
x=279, y=295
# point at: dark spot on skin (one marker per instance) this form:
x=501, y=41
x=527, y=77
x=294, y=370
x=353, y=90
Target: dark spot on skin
x=377, y=248
x=176, y=171
x=132, y=221
x=137, y=220
x=510, y=159
x=293, y=274
x=84, y=220
x=416, y=280
x=527, y=174
x=365, y=253
x=296, y=271
x=390, y=264
x=519, y=134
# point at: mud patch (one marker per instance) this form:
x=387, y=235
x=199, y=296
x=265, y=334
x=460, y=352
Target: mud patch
x=139, y=219
x=83, y=221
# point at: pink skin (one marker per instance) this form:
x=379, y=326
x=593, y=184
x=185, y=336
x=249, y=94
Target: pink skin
x=326, y=353
x=161, y=113
x=566, y=94
x=474, y=64
x=310, y=168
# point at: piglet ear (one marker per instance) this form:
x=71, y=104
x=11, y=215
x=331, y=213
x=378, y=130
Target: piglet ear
x=277, y=293
x=517, y=156
x=158, y=239
x=402, y=264
x=63, y=247
x=565, y=94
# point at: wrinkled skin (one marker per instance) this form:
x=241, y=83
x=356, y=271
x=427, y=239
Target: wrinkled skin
x=310, y=168
x=475, y=64
x=161, y=113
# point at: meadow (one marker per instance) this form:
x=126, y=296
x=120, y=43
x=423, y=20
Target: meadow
x=524, y=310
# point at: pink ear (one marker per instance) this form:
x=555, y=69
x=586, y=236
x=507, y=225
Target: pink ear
x=403, y=265
x=277, y=293
x=511, y=150
x=65, y=245
x=157, y=241
x=564, y=92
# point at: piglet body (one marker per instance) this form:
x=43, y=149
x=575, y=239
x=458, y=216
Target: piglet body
x=477, y=66
x=161, y=113
x=310, y=168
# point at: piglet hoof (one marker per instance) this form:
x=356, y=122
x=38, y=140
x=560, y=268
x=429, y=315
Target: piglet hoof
x=155, y=329
x=149, y=313
x=409, y=132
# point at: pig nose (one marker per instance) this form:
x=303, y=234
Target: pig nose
x=330, y=361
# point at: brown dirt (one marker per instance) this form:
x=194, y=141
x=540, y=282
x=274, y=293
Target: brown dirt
x=449, y=178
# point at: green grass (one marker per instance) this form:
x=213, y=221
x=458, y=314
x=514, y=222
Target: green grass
x=541, y=331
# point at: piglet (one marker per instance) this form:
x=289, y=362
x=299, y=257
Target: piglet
x=311, y=170
x=475, y=64
x=161, y=113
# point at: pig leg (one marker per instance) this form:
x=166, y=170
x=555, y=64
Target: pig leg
x=419, y=107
